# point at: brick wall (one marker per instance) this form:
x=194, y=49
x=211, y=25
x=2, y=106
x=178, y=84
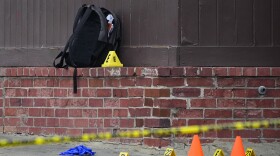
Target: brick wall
x=41, y=100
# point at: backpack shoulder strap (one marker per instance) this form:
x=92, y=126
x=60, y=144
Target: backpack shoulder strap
x=78, y=26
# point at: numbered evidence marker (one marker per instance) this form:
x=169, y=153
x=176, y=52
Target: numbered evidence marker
x=250, y=152
x=169, y=152
x=219, y=152
x=124, y=154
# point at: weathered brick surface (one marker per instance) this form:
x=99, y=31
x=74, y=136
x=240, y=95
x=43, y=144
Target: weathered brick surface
x=40, y=100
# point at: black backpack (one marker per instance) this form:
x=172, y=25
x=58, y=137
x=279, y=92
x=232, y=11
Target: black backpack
x=92, y=39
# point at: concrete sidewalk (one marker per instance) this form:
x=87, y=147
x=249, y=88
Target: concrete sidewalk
x=113, y=149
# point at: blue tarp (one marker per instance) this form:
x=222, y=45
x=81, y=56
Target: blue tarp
x=80, y=150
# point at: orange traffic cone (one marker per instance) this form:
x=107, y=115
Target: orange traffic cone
x=238, y=149
x=196, y=149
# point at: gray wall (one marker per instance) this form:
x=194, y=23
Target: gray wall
x=155, y=32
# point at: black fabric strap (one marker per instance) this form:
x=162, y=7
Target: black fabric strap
x=79, y=26
x=75, y=83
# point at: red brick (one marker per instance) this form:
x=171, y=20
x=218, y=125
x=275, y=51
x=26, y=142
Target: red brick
x=60, y=92
x=74, y=132
x=37, y=112
x=111, y=122
x=170, y=103
x=40, y=122
x=162, y=71
x=132, y=102
x=248, y=133
x=156, y=142
x=61, y=112
x=16, y=92
x=65, y=83
x=131, y=71
x=103, y=92
x=231, y=103
x=177, y=71
x=275, y=71
x=105, y=113
x=111, y=102
x=205, y=71
x=277, y=103
x=75, y=112
x=271, y=133
x=200, y=82
x=120, y=92
x=19, y=71
x=245, y=93
x=218, y=93
x=139, y=122
x=200, y=122
x=95, y=103
x=135, y=92
x=145, y=82
x=14, y=83
x=189, y=113
x=93, y=72
x=128, y=82
x=96, y=83
x=260, y=103
x=12, y=121
x=89, y=92
x=220, y=71
x=47, y=92
x=101, y=72
x=179, y=122
x=191, y=71
x=261, y=82
x=35, y=130
x=224, y=134
x=13, y=102
x=272, y=113
x=205, y=103
x=231, y=82
x=127, y=123
x=10, y=112
x=140, y=112
x=186, y=92
x=250, y=71
x=221, y=113
x=112, y=72
x=247, y=113
x=148, y=102
x=272, y=93
x=26, y=82
x=112, y=82
x=157, y=92
x=161, y=112
x=120, y=113
x=147, y=71
x=48, y=112
x=65, y=122
x=235, y=71
x=168, y=82
x=77, y=102
x=89, y=130
x=157, y=123
x=96, y=123
x=263, y=71
x=34, y=92
x=60, y=131
x=89, y=113
x=81, y=123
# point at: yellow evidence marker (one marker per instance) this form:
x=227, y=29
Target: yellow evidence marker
x=250, y=152
x=112, y=60
x=219, y=152
x=169, y=152
x=124, y=154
